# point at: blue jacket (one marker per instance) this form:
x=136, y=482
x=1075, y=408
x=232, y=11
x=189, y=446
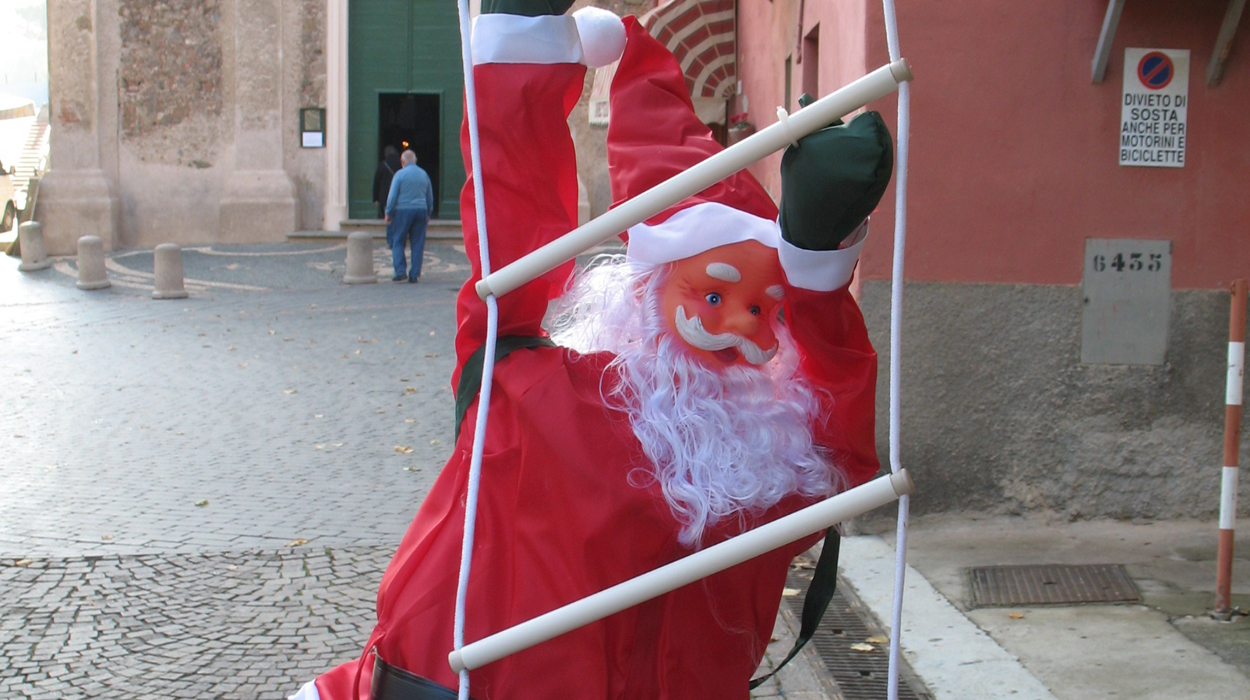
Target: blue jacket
x=410, y=189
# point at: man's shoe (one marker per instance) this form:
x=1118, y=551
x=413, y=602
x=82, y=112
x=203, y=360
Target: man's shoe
x=397, y=278
x=413, y=280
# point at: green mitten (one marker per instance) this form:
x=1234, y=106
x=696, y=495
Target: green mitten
x=528, y=8
x=833, y=181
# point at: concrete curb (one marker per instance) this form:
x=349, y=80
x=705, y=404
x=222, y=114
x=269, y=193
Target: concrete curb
x=950, y=654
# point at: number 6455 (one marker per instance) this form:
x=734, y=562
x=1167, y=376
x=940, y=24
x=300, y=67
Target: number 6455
x=1133, y=263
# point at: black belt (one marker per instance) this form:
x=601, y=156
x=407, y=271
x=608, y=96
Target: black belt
x=394, y=683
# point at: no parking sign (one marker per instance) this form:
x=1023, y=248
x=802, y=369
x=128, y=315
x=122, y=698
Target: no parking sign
x=1153, y=113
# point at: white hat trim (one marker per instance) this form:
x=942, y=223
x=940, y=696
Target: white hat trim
x=591, y=36
x=821, y=270
x=697, y=229
x=549, y=39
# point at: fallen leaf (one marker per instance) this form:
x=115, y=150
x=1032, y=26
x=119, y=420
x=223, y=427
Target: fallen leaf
x=316, y=415
x=1016, y=616
x=22, y=562
x=231, y=567
x=336, y=444
x=403, y=449
x=366, y=341
x=410, y=390
x=431, y=334
x=106, y=538
x=410, y=420
x=297, y=542
x=789, y=592
x=201, y=504
x=319, y=447
x=864, y=648
x=290, y=391
x=878, y=639
x=433, y=442
x=431, y=354
x=774, y=638
x=271, y=332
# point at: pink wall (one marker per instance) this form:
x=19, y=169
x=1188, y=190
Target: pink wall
x=1014, y=149
x=768, y=34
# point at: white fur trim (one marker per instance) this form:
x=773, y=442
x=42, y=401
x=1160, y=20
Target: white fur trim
x=549, y=39
x=308, y=692
x=602, y=35
x=696, y=229
x=821, y=270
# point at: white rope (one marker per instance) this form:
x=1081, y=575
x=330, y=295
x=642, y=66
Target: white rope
x=896, y=346
x=488, y=358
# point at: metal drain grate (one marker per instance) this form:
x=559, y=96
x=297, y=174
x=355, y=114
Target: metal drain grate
x=860, y=675
x=1051, y=584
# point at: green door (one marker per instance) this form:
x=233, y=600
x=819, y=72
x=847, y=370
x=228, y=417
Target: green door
x=404, y=89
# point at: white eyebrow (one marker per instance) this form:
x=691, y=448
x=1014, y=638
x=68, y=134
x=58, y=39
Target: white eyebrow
x=724, y=271
x=776, y=291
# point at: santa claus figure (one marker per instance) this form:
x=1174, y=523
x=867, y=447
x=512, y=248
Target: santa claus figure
x=715, y=377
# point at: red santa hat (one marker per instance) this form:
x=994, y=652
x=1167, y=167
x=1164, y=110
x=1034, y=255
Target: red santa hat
x=654, y=134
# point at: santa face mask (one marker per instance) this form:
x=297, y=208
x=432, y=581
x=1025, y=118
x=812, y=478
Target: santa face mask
x=721, y=303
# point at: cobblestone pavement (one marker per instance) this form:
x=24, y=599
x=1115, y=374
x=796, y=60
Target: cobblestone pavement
x=199, y=496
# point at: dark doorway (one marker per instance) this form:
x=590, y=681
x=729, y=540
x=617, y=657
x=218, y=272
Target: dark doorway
x=410, y=120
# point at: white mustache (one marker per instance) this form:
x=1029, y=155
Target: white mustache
x=692, y=331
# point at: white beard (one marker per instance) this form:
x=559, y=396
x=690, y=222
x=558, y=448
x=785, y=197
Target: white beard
x=722, y=442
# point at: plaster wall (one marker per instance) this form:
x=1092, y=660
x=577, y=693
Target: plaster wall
x=999, y=416
x=1014, y=159
x=1013, y=165
x=771, y=32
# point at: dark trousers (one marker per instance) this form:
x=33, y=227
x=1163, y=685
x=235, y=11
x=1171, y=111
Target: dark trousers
x=407, y=229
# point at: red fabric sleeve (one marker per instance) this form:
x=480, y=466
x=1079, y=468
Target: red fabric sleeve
x=529, y=178
x=839, y=361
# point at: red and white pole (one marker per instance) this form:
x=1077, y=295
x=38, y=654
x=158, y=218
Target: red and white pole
x=1232, y=445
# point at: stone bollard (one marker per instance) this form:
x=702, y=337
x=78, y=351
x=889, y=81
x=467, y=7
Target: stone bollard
x=167, y=266
x=30, y=240
x=91, y=273
x=360, y=259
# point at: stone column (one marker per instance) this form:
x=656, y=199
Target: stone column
x=76, y=198
x=258, y=203
x=336, y=114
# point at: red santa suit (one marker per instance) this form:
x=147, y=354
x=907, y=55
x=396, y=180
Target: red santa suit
x=559, y=517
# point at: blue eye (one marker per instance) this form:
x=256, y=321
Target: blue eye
x=713, y=298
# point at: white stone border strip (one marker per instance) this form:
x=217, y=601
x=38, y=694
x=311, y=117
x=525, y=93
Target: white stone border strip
x=954, y=658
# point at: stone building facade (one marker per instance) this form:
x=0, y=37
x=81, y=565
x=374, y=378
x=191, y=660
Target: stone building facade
x=176, y=120
x=181, y=120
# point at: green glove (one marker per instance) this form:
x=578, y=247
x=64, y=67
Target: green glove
x=833, y=181
x=528, y=8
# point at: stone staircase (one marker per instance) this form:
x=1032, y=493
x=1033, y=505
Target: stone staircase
x=31, y=165
x=443, y=229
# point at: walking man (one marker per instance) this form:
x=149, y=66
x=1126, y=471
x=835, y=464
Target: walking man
x=408, y=208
